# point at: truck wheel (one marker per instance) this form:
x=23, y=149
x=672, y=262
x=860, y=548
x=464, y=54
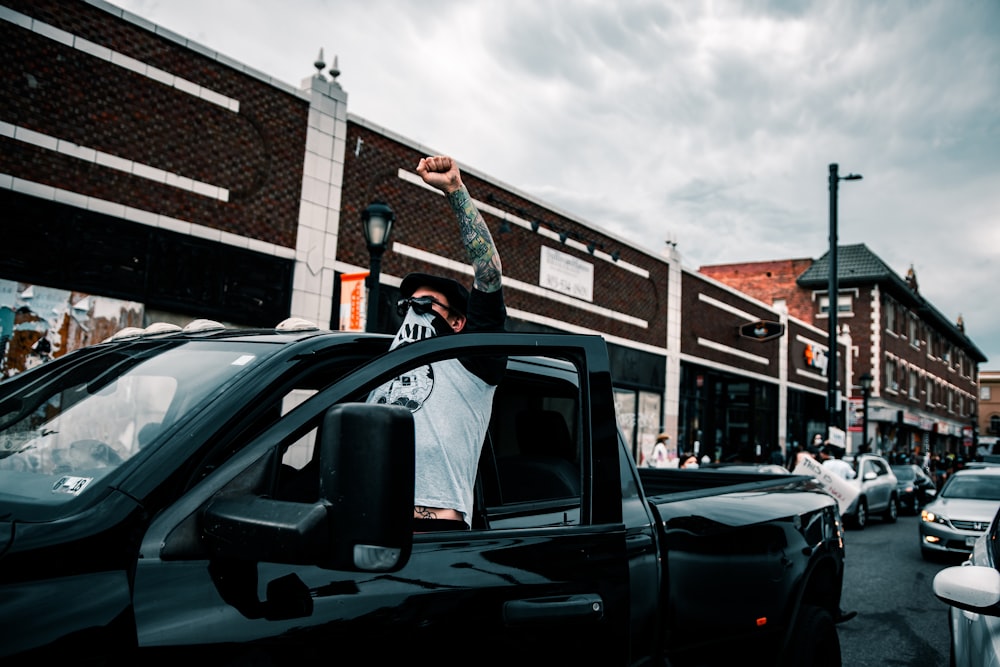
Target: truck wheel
x=892, y=511
x=815, y=641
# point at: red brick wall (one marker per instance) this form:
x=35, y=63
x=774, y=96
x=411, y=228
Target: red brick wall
x=767, y=281
x=257, y=154
x=424, y=220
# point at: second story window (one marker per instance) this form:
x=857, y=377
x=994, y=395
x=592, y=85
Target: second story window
x=890, y=376
x=845, y=305
x=890, y=315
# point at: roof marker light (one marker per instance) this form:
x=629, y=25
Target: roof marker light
x=203, y=325
x=159, y=328
x=127, y=332
x=296, y=324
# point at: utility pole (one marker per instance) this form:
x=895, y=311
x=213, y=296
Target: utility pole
x=832, y=404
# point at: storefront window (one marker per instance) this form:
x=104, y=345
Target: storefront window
x=639, y=417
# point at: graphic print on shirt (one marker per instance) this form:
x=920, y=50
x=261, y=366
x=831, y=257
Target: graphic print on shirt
x=409, y=390
x=413, y=387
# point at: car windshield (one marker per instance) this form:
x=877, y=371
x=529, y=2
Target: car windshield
x=67, y=424
x=975, y=487
x=904, y=473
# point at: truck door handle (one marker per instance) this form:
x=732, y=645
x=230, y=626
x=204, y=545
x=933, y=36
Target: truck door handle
x=638, y=544
x=556, y=608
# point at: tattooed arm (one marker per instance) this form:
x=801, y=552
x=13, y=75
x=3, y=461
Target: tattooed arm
x=442, y=172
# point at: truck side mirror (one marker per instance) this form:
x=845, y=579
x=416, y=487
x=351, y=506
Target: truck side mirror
x=367, y=474
x=363, y=520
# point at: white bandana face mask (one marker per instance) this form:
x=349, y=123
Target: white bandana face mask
x=415, y=327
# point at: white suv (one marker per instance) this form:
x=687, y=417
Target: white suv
x=878, y=493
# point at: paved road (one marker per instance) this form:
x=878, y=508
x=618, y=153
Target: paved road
x=899, y=622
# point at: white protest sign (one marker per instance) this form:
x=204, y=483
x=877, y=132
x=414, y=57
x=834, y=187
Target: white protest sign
x=842, y=490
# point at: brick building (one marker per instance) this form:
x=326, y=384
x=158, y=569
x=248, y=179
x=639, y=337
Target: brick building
x=145, y=177
x=744, y=391
x=924, y=368
x=989, y=412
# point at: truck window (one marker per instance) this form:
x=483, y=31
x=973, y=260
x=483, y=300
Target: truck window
x=531, y=470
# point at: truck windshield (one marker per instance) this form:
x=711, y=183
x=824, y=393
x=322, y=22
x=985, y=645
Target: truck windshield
x=65, y=427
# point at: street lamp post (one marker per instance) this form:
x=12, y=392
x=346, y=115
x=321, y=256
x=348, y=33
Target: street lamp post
x=866, y=390
x=376, y=221
x=832, y=292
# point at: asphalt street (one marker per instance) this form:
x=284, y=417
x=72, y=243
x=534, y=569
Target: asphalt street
x=899, y=620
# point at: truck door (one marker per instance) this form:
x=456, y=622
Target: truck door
x=542, y=575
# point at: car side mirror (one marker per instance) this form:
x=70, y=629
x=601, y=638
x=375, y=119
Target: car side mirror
x=971, y=588
x=869, y=476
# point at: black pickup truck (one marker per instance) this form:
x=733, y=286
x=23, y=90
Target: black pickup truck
x=229, y=496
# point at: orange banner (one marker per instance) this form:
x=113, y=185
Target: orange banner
x=353, y=301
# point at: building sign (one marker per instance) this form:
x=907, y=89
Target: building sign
x=353, y=301
x=815, y=357
x=855, y=414
x=564, y=273
x=762, y=330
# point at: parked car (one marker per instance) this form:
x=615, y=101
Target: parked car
x=961, y=513
x=972, y=590
x=915, y=487
x=878, y=494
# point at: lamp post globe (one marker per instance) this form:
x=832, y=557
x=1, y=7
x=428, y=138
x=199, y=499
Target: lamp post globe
x=376, y=222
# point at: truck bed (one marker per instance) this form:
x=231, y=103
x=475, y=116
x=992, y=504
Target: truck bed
x=671, y=484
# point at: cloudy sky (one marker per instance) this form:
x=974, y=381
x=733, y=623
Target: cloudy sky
x=711, y=124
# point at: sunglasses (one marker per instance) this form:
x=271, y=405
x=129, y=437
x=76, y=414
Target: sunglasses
x=421, y=305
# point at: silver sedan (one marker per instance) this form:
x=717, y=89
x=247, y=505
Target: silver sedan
x=961, y=512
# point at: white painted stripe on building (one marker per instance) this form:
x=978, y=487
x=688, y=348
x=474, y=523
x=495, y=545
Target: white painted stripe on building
x=811, y=376
x=735, y=370
x=485, y=207
x=343, y=267
x=437, y=260
x=119, y=59
x=727, y=307
x=140, y=216
x=88, y=154
x=704, y=342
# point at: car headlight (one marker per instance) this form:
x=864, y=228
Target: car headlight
x=931, y=517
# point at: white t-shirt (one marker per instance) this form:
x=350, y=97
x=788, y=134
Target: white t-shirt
x=658, y=459
x=842, y=468
x=451, y=409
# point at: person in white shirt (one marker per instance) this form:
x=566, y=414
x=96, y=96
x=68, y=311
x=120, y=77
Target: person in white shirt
x=828, y=456
x=659, y=456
